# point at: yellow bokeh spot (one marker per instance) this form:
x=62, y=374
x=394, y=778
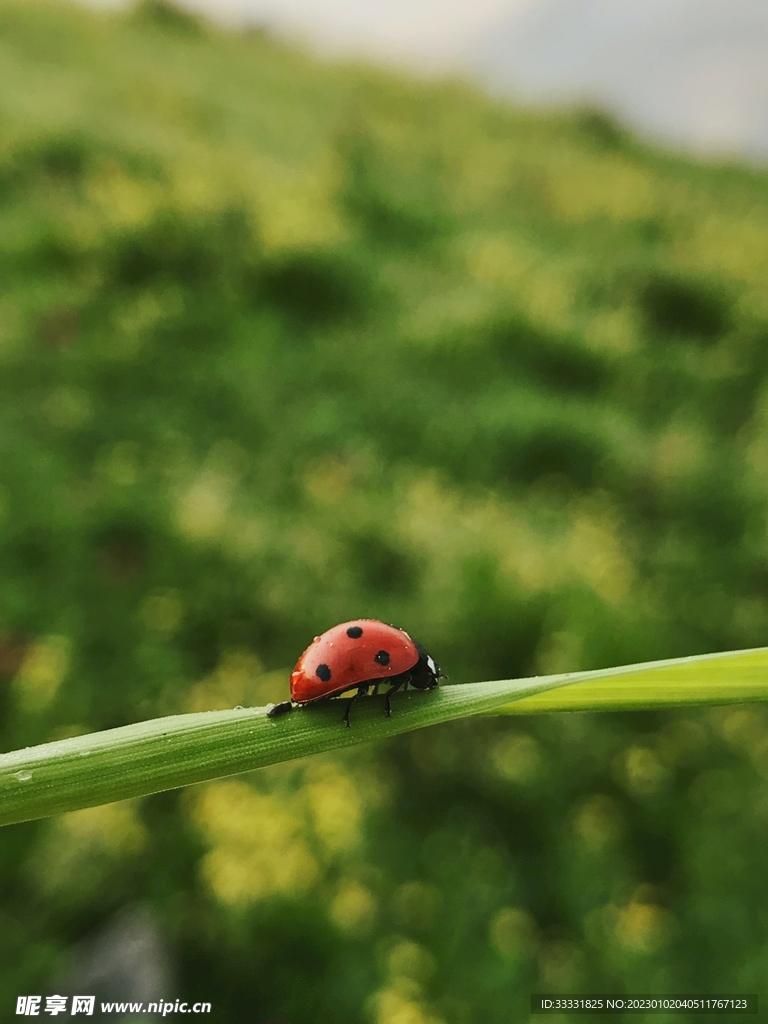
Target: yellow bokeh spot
x=353, y=907
x=77, y=844
x=238, y=874
x=399, y=1004
x=238, y=680
x=494, y=260
x=743, y=727
x=549, y=296
x=646, y=773
x=598, y=821
x=615, y=331
x=512, y=933
x=679, y=453
x=408, y=959
x=42, y=672
x=595, y=549
x=517, y=758
x=610, y=188
x=202, y=509
x=113, y=828
x=732, y=245
x=277, y=844
x=258, y=848
x=335, y=805
x=585, y=544
x=121, y=198
x=643, y=927
x=298, y=209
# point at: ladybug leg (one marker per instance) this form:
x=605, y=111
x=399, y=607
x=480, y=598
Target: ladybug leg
x=280, y=709
x=360, y=690
x=388, y=695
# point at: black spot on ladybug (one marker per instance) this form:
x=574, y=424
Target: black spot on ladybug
x=355, y=632
x=382, y=658
x=323, y=672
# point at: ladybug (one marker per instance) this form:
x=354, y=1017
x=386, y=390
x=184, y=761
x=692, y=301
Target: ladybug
x=359, y=655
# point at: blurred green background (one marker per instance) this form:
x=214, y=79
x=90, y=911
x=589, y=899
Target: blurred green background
x=285, y=342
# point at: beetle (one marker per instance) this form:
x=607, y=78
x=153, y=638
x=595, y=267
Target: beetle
x=359, y=655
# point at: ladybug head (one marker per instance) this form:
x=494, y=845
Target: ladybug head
x=426, y=674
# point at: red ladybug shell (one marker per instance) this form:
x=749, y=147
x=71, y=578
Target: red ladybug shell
x=349, y=654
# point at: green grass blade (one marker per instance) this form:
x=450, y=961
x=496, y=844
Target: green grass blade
x=166, y=753
x=730, y=678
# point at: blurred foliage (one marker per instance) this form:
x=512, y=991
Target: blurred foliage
x=284, y=343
